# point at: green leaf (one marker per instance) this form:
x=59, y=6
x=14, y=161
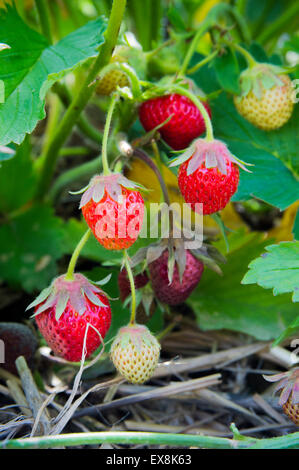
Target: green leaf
x=268, y=180
x=29, y=246
x=277, y=269
x=31, y=65
x=222, y=302
x=227, y=71
x=17, y=179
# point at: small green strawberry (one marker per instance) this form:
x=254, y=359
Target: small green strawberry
x=266, y=96
x=135, y=353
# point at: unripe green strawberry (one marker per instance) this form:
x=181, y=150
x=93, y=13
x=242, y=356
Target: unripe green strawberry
x=114, y=77
x=266, y=97
x=135, y=353
x=111, y=80
x=288, y=383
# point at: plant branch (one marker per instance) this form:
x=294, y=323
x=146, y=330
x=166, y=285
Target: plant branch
x=149, y=162
x=203, y=62
x=72, y=264
x=150, y=438
x=132, y=286
x=104, y=156
x=44, y=15
x=86, y=128
x=79, y=102
x=200, y=106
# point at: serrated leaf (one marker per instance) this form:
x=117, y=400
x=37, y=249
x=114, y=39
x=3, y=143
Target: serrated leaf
x=30, y=62
x=30, y=244
x=223, y=302
x=277, y=269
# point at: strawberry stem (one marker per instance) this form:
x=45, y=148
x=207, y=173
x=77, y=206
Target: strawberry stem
x=79, y=102
x=133, y=289
x=199, y=105
x=249, y=59
x=203, y=62
x=71, y=268
x=106, y=169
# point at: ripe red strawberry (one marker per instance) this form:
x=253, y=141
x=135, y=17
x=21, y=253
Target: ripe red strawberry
x=62, y=312
x=208, y=175
x=181, y=286
x=113, y=209
x=135, y=353
x=288, y=383
x=185, y=125
x=145, y=301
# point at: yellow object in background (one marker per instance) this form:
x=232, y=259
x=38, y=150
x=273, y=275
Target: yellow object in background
x=204, y=46
x=283, y=231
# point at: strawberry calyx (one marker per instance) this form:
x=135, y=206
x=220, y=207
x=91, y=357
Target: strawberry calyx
x=168, y=85
x=144, y=296
x=260, y=77
x=177, y=254
x=62, y=290
x=137, y=335
x=213, y=154
x=288, y=383
x=112, y=184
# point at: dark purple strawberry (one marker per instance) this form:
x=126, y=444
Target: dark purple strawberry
x=176, y=292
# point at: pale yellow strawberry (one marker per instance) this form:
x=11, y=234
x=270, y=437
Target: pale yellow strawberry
x=113, y=78
x=135, y=353
x=111, y=81
x=267, y=101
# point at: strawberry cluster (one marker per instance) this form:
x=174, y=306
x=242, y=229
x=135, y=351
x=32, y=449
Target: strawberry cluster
x=73, y=313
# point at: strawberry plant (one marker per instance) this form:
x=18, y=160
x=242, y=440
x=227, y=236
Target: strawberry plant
x=149, y=182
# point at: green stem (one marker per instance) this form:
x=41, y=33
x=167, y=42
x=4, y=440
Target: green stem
x=83, y=123
x=210, y=20
x=200, y=106
x=44, y=15
x=249, y=59
x=132, y=286
x=71, y=268
x=202, y=63
x=150, y=438
x=149, y=162
x=192, y=48
x=79, y=102
x=104, y=156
